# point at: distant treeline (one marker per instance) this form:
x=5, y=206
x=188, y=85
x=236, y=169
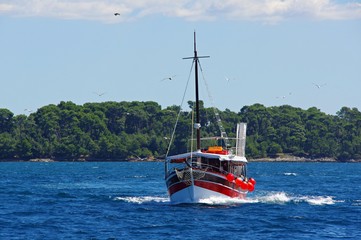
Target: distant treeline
x=125, y=130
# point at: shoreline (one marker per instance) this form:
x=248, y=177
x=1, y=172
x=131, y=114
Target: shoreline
x=292, y=159
x=277, y=159
x=301, y=159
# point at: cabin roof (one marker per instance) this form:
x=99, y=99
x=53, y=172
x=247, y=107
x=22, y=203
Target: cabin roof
x=221, y=157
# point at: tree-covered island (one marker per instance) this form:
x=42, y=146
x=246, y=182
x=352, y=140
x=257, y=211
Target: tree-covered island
x=115, y=131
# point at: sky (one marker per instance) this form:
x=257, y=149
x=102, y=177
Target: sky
x=303, y=53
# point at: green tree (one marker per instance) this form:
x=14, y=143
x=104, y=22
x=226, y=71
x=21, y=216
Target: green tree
x=6, y=120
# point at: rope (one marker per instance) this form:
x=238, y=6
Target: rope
x=192, y=134
x=180, y=110
x=218, y=119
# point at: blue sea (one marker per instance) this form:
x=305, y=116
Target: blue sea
x=128, y=200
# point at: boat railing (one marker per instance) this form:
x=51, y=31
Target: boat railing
x=228, y=143
x=218, y=169
x=195, y=165
x=208, y=167
x=200, y=166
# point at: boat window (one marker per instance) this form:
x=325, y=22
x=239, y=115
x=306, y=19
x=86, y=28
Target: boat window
x=225, y=166
x=213, y=163
x=239, y=169
x=196, y=161
x=210, y=163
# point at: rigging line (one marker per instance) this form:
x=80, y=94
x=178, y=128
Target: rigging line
x=180, y=111
x=192, y=134
x=216, y=113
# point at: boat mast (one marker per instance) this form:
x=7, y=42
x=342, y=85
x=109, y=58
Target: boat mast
x=197, y=125
x=195, y=58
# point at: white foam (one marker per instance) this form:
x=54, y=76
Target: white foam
x=320, y=200
x=283, y=198
x=266, y=198
x=290, y=174
x=224, y=201
x=142, y=199
x=274, y=197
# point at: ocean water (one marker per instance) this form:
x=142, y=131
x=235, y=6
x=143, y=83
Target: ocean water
x=121, y=200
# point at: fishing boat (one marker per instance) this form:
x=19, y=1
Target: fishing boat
x=217, y=167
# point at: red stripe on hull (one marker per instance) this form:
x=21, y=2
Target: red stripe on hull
x=176, y=187
x=220, y=189
x=210, y=186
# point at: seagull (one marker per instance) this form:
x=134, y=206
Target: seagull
x=99, y=94
x=28, y=110
x=169, y=78
x=283, y=97
x=319, y=86
x=229, y=79
x=116, y=14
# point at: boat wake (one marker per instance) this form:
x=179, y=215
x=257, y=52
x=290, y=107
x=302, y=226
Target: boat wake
x=283, y=198
x=274, y=198
x=263, y=198
x=142, y=199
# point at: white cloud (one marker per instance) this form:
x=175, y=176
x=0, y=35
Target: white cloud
x=4, y=7
x=192, y=10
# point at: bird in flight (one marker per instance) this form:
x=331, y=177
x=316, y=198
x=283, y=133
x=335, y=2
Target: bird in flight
x=169, y=78
x=116, y=14
x=283, y=97
x=319, y=86
x=227, y=79
x=99, y=94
